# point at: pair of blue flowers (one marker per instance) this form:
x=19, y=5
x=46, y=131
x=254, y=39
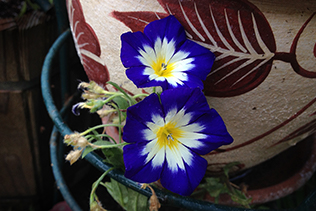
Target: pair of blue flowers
x=168, y=132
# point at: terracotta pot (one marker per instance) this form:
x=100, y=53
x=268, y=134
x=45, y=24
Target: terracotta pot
x=263, y=80
x=276, y=178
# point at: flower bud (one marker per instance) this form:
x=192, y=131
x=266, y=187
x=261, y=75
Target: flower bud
x=97, y=104
x=105, y=112
x=83, y=85
x=72, y=139
x=73, y=156
x=90, y=95
x=82, y=142
x=94, y=87
x=76, y=140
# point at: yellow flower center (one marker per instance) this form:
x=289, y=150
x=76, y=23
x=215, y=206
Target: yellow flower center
x=168, y=135
x=162, y=68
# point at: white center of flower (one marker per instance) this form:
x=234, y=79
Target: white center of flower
x=162, y=68
x=165, y=63
x=172, y=139
x=168, y=136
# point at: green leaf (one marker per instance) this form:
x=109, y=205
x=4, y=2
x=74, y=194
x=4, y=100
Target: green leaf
x=114, y=156
x=94, y=206
x=97, y=104
x=227, y=168
x=214, y=187
x=129, y=199
x=87, y=150
x=132, y=101
x=33, y=5
x=240, y=198
x=121, y=102
x=23, y=9
x=101, y=142
x=96, y=137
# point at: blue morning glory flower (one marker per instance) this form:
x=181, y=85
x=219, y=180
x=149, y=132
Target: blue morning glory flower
x=163, y=56
x=167, y=135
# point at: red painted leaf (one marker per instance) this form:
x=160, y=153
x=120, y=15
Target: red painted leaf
x=87, y=44
x=137, y=21
x=294, y=62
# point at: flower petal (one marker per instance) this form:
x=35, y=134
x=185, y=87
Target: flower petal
x=184, y=181
x=134, y=131
x=197, y=104
x=203, y=58
x=136, y=74
x=136, y=167
x=191, y=100
x=214, y=131
x=76, y=108
x=204, y=129
x=168, y=27
x=154, y=155
x=176, y=157
x=191, y=81
x=175, y=98
x=132, y=43
x=138, y=115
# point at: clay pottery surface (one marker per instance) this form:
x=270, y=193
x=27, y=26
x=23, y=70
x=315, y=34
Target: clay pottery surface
x=262, y=82
x=277, y=177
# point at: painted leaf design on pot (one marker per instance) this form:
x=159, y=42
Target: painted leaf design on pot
x=87, y=44
x=305, y=32
x=236, y=31
x=137, y=21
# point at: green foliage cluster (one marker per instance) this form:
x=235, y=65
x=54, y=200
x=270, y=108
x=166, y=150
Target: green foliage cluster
x=215, y=186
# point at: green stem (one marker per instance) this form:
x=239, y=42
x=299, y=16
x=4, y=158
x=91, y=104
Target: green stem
x=140, y=95
x=109, y=146
x=109, y=93
x=103, y=184
x=100, y=126
x=96, y=184
x=112, y=97
x=91, y=138
x=131, y=100
x=120, y=121
x=98, y=135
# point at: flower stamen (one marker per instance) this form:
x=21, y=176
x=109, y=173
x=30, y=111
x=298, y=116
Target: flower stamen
x=162, y=69
x=169, y=137
x=163, y=66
